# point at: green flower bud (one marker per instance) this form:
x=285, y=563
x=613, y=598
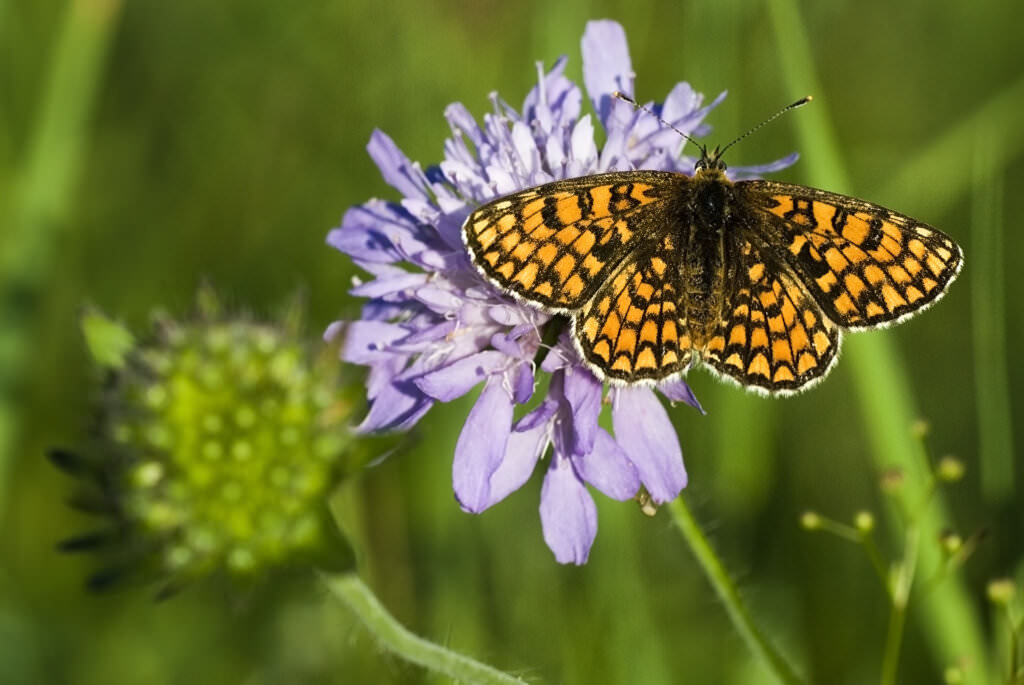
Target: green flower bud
x=953, y=675
x=1001, y=591
x=951, y=542
x=950, y=469
x=864, y=521
x=810, y=520
x=220, y=442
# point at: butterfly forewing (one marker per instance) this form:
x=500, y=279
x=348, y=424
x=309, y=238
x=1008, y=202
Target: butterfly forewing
x=865, y=265
x=556, y=244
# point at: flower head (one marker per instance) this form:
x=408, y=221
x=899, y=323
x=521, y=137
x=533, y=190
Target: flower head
x=219, y=440
x=436, y=330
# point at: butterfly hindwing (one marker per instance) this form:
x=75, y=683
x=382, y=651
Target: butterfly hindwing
x=633, y=328
x=554, y=245
x=773, y=336
x=865, y=265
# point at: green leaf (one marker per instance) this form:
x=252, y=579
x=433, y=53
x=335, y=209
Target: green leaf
x=108, y=341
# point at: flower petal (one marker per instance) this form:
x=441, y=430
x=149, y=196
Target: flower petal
x=554, y=103
x=583, y=393
x=606, y=65
x=643, y=429
x=519, y=343
x=568, y=515
x=542, y=414
x=456, y=379
x=384, y=232
x=522, y=451
x=608, y=468
x=396, y=168
x=559, y=356
x=681, y=102
x=523, y=383
x=767, y=168
x=379, y=287
x=397, y=406
x=480, y=448
x=583, y=149
x=366, y=342
x=678, y=390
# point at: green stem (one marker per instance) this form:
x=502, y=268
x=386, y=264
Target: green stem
x=875, y=556
x=947, y=615
x=893, y=640
x=394, y=637
x=899, y=587
x=54, y=156
x=988, y=322
x=1014, y=652
x=729, y=595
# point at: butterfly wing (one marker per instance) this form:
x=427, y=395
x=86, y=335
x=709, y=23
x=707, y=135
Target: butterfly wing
x=865, y=265
x=773, y=336
x=554, y=245
x=633, y=329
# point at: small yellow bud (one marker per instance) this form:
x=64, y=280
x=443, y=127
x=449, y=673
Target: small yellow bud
x=810, y=520
x=1001, y=591
x=951, y=542
x=950, y=469
x=864, y=521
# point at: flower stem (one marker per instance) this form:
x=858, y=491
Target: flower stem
x=730, y=596
x=394, y=637
x=988, y=321
x=893, y=640
x=948, y=617
x=42, y=200
x=899, y=587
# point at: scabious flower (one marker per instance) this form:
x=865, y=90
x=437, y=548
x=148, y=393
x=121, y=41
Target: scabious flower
x=217, y=442
x=433, y=329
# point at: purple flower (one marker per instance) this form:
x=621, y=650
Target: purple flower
x=433, y=329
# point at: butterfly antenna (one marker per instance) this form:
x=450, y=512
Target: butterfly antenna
x=799, y=103
x=643, y=108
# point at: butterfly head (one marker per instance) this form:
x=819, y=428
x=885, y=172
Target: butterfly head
x=710, y=160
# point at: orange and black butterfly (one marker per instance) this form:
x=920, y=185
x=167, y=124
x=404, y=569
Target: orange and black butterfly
x=756, y=279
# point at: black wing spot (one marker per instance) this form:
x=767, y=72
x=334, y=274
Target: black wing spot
x=814, y=265
x=874, y=237
x=549, y=213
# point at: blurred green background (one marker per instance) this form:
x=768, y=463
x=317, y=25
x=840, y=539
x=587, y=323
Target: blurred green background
x=147, y=146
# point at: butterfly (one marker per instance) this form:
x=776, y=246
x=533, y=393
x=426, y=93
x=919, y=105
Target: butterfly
x=757, y=279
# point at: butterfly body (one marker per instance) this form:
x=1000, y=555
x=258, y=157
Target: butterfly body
x=756, y=279
x=708, y=216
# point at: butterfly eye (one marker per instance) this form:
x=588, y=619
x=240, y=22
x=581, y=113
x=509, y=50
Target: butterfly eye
x=709, y=163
